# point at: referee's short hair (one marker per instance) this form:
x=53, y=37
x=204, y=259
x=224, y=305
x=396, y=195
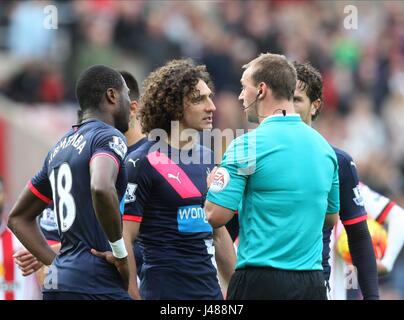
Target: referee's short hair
x=277, y=72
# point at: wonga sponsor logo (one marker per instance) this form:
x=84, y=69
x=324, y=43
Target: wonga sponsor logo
x=192, y=219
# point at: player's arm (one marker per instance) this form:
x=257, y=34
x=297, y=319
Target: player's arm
x=227, y=183
x=353, y=216
x=225, y=254
x=22, y=221
x=395, y=239
x=130, y=233
x=385, y=211
x=136, y=196
x=104, y=172
x=217, y=215
x=331, y=218
x=363, y=258
x=27, y=262
x=103, y=175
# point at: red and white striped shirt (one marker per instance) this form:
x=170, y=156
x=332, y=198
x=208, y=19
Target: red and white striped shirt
x=13, y=286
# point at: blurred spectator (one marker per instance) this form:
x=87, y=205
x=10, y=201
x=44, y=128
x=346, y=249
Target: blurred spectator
x=24, y=85
x=365, y=133
x=27, y=37
x=13, y=286
x=96, y=46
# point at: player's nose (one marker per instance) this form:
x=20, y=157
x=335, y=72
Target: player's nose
x=210, y=106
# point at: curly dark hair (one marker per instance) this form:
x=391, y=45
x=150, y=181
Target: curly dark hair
x=164, y=92
x=311, y=81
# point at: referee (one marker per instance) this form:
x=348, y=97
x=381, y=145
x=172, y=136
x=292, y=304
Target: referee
x=283, y=180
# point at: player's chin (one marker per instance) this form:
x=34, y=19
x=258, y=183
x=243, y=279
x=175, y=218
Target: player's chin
x=206, y=126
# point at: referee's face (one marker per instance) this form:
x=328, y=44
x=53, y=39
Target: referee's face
x=302, y=104
x=248, y=95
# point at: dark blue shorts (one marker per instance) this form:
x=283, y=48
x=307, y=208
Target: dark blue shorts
x=84, y=296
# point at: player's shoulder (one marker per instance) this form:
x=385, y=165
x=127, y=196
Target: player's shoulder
x=102, y=135
x=141, y=152
x=137, y=145
x=343, y=157
x=102, y=129
x=317, y=138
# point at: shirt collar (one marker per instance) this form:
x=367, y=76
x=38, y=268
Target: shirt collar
x=276, y=117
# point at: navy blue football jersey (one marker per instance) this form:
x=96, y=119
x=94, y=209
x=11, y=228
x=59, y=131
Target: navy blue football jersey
x=48, y=224
x=166, y=193
x=352, y=208
x=65, y=178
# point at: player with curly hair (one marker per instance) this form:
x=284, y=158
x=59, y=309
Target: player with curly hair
x=166, y=191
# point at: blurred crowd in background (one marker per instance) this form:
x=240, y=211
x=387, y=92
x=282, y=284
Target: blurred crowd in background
x=363, y=69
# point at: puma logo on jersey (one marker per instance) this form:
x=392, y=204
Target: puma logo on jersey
x=134, y=162
x=171, y=176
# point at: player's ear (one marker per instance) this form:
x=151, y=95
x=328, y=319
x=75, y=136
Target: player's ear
x=112, y=95
x=134, y=106
x=315, y=106
x=133, y=110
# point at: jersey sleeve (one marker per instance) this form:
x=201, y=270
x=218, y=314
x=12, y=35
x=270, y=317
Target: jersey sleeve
x=352, y=208
x=333, y=195
x=40, y=185
x=230, y=179
x=110, y=143
x=139, y=187
x=377, y=206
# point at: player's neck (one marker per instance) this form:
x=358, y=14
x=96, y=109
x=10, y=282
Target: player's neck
x=133, y=135
x=277, y=106
x=95, y=114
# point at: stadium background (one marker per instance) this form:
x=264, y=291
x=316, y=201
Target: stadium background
x=363, y=71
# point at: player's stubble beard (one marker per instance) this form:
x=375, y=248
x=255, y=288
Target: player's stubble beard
x=122, y=116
